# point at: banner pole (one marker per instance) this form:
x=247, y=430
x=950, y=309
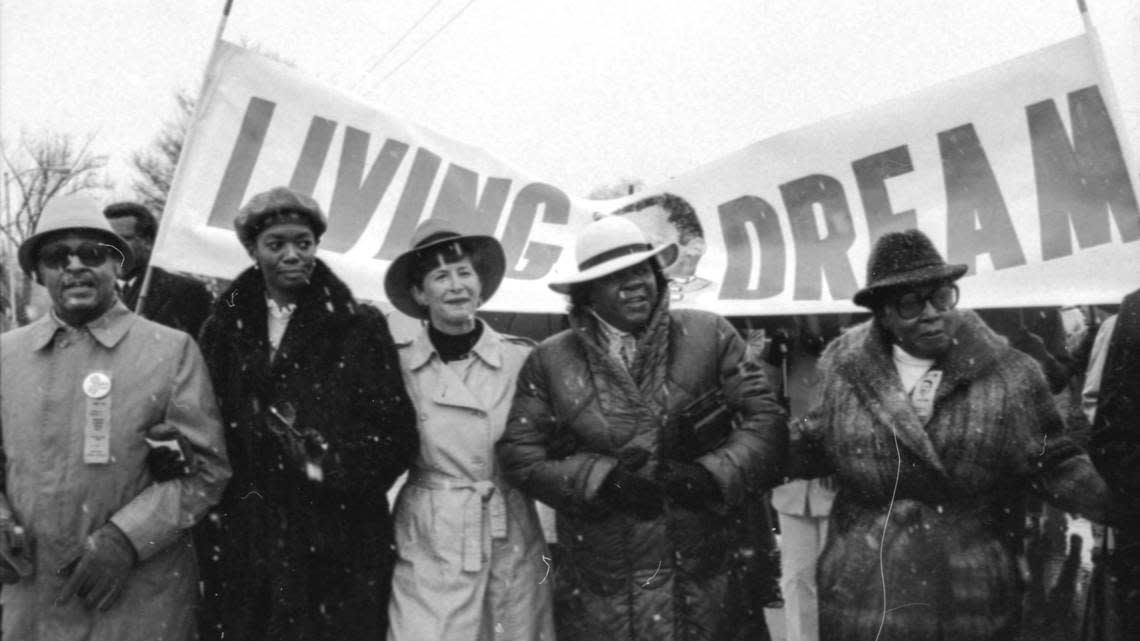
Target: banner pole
x=144, y=289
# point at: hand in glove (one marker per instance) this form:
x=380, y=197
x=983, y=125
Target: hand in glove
x=562, y=443
x=98, y=575
x=305, y=448
x=689, y=484
x=170, y=455
x=626, y=491
x=16, y=559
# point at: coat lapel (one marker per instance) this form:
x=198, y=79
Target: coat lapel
x=976, y=350
x=326, y=306
x=447, y=388
x=873, y=377
x=868, y=367
x=450, y=390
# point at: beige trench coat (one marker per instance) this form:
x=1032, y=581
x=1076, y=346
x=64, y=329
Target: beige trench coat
x=157, y=376
x=470, y=549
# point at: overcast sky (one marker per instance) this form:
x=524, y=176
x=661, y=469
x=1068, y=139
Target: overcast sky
x=578, y=92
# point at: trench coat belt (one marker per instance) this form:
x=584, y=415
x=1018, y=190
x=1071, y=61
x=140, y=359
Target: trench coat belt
x=481, y=492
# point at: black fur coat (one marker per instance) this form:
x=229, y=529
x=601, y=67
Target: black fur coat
x=284, y=557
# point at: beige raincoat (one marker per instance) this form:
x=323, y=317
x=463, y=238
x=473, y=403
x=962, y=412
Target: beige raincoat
x=156, y=376
x=470, y=551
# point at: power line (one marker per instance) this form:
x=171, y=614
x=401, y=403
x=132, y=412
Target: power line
x=428, y=41
x=407, y=32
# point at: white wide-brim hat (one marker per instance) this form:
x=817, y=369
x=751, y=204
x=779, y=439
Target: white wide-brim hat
x=608, y=245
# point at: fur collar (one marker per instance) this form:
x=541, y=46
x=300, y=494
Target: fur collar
x=325, y=306
x=245, y=297
x=862, y=358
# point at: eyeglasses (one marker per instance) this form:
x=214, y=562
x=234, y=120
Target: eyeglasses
x=911, y=304
x=58, y=256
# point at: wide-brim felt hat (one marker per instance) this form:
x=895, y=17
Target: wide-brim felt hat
x=904, y=258
x=279, y=204
x=433, y=234
x=73, y=213
x=608, y=245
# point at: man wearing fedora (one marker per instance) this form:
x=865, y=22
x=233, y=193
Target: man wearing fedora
x=91, y=545
x=936, y=430
x=641, y=426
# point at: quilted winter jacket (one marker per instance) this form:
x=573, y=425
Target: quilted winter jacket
x=621, y=578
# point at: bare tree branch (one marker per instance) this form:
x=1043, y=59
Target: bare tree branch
x=42, y=167
x=155, y=165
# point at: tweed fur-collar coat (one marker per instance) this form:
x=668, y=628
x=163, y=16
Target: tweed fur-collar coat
x=927, y=517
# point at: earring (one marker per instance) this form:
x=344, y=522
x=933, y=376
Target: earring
x=257, y=267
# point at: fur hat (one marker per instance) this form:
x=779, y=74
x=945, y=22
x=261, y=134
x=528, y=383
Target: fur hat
x=904, y=258
x=278, y=205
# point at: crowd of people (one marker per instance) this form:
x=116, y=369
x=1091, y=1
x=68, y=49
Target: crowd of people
x=220, y=469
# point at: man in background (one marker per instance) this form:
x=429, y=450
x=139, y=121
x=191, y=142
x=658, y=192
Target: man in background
x=175, y=301
x=803, y=506
x=1114, y=384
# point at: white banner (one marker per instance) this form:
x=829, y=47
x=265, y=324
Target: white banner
x=1015, y=170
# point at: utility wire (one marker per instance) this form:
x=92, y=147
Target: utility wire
x=428, y=41
x=407, y=33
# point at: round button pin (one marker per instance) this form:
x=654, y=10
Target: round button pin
x=97, y=385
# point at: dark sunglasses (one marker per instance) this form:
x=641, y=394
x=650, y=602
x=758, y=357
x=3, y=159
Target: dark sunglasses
x=911, y=304
x=58, y=256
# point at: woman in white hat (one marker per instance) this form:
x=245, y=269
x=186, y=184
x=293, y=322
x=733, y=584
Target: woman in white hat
x=470, y=551
x=605, y=428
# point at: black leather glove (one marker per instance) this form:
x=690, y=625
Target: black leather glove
x=170, y=454
x=626, y=491
x=98, y=575
x=633, y=460
x=16, y=559
x=689, y=484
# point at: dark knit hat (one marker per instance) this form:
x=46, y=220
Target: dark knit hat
x=278, y=205
x=904, y=258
